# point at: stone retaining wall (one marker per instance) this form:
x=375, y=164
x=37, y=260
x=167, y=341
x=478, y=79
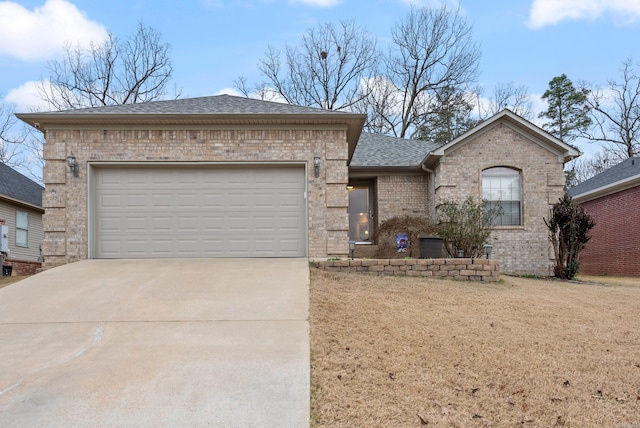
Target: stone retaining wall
x=463, y=269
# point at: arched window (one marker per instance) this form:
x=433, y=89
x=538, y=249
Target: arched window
x=501, y=186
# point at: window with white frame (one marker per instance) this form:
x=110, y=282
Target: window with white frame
x=22, y=229
x=501, y=187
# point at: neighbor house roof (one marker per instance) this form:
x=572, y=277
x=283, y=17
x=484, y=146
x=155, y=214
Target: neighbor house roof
x=375, y=151
x=17, y=188
x=507, y=117
x=615, y=179
x=203, y=111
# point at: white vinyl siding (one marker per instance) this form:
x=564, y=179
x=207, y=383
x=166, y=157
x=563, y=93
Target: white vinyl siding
x=35, y=235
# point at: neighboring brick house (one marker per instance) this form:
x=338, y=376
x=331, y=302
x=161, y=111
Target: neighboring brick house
x=612, y=199
x=21, y=211
x=226, y=176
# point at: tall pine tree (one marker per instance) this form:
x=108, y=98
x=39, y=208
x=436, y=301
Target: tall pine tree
x=568, y=112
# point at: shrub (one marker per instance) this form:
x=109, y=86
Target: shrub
x=386, y=233
x=466, y=226
x=568, y=228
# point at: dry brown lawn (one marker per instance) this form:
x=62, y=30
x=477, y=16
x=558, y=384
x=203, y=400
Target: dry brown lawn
x=7, y=280
x=402, y=352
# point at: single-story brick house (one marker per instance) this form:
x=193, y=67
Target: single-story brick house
x=227, y=176
x=612, y=199
x=21, y=211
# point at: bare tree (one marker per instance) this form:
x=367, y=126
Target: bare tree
x=260, y=91
x=323, y=71
x=507, y=96
x=11, y=141
x=380, y=104
x=583, y=168
x=616, y=114
x=432, y=49
x=20, y=146
x=135, y=70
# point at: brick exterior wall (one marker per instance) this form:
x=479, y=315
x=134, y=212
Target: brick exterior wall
x=65, y=199
x=23, y=267
x=403, y=195
x=614, y=248
x=461, y=269
x=521, y=249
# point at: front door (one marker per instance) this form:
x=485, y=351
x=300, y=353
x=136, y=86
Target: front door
x=360, y=214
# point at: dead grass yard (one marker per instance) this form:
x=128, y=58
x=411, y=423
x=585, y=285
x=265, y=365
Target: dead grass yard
x=7, y=280
x=402, y=352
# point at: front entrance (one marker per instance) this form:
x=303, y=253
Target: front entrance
x=361, y=213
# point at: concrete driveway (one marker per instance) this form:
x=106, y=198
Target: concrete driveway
x=193, y=342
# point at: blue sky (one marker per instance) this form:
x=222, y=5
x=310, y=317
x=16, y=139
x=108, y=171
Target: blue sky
x=214, y=41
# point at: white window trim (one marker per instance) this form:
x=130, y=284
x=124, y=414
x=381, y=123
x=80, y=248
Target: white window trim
x=520, y=196
x=22, y=229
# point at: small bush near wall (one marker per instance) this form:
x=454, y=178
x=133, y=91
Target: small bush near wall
x=462, y=269
x=385, y=236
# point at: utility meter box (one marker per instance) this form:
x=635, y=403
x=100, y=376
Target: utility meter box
x=4, y=238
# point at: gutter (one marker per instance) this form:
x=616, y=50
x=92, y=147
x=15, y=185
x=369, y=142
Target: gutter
x=609, y=189
x=22, y=203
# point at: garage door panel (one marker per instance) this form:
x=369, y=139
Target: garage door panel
x=110, y=224
x=213, y=224
x=137, y=224
x=160, y=224
x=212, y=200
x=200, y=212
x=188, y=200
x=265, y=224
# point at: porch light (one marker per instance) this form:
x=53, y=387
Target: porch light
x=316, y=166
x=73, y=165
x=352, y=248
x=487, y=249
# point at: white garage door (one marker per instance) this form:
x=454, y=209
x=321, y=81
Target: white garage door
x=191, y=211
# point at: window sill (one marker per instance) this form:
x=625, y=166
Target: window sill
x=508, y=227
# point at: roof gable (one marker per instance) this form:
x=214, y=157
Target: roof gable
x=619, y=177
x=17, y=187
x=519, y=124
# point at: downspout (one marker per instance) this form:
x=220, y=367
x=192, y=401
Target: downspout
x=432, y=173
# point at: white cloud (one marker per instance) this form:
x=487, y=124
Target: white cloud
x=229, y=91
x=318, y=3
x=26, y=98
x=40, y=33
x=550, y=12
x=453, y=4
x=538, y=105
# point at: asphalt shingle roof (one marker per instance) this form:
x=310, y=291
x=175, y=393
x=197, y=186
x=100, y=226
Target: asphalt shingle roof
x=217, y=104
x=16, y=186
x=625, y=169
x=384, y=150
